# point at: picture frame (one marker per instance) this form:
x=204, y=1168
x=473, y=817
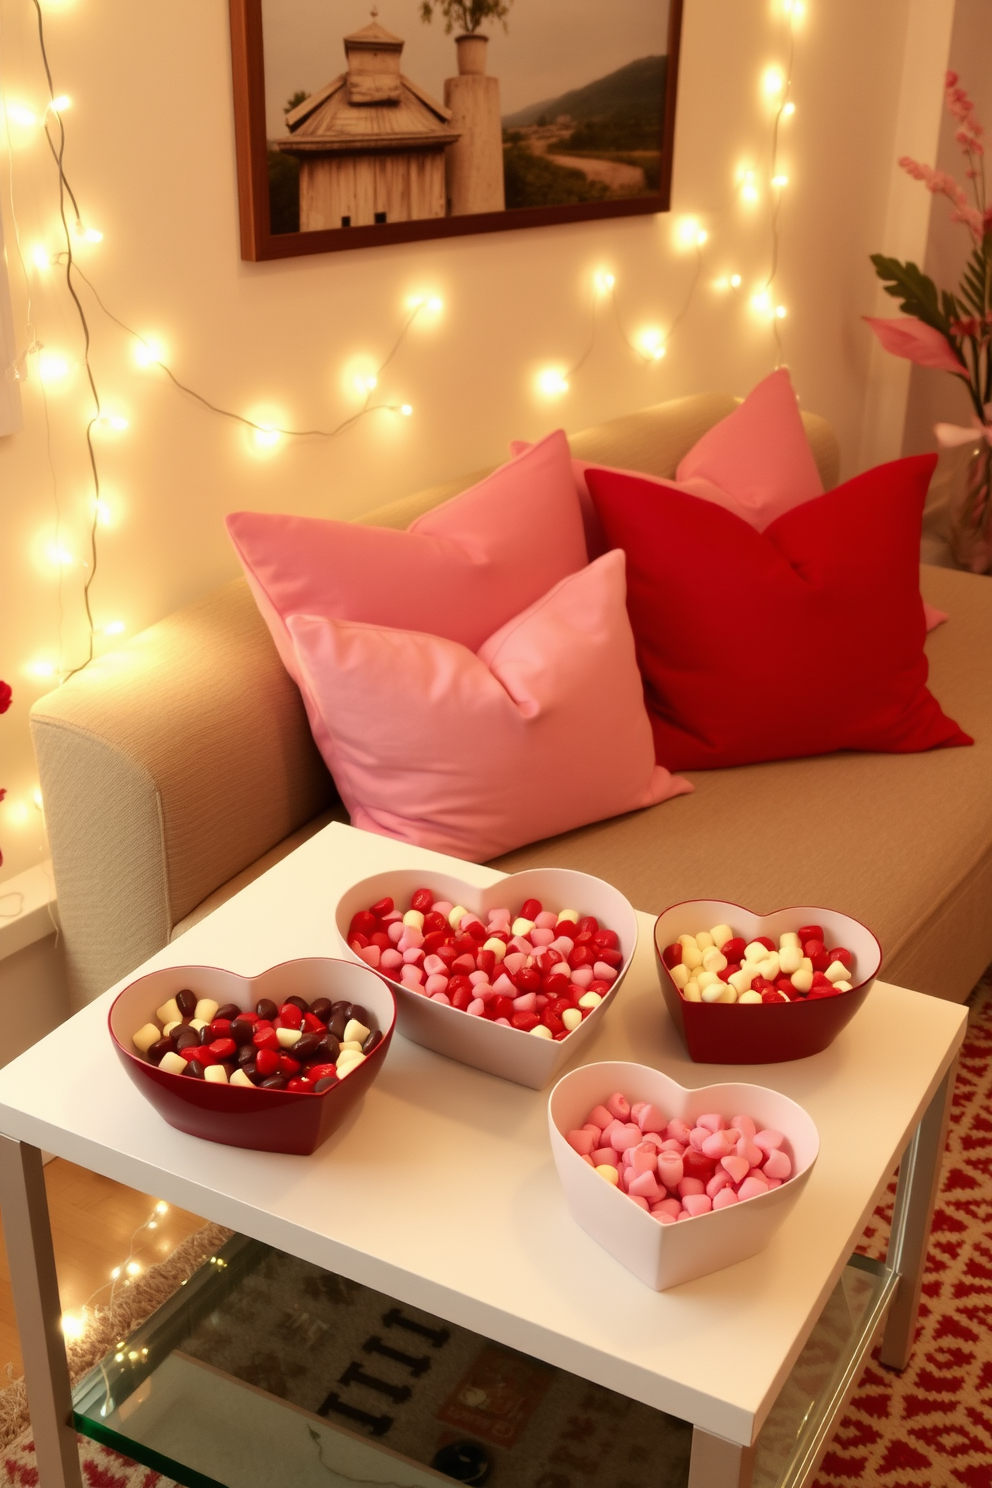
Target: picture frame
x=372, y=156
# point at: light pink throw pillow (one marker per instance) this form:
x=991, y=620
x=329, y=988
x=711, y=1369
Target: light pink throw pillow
x=543, y=730
x=460, y=571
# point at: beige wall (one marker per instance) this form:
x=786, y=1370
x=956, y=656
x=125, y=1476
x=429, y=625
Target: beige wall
x=151, y=155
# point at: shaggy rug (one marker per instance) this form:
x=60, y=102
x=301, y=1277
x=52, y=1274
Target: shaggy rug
x=930, y=1427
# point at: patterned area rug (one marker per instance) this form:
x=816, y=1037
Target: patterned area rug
x=931, y=1426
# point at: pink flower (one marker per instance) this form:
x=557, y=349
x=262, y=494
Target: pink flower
x=970, y=326
x=905, y=336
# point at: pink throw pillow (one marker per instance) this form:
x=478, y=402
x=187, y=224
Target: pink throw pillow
x=543, y=730
x=459, y=571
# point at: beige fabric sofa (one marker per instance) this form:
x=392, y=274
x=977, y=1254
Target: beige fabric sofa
x=180, y=767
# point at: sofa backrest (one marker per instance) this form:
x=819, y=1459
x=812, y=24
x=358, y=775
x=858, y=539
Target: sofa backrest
x=170, y=766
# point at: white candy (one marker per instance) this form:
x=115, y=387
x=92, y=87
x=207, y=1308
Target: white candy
x=706, y=979
x=216, y=1074
x=741, y=980
x=348, y=1062
x=288, y=1037
x=692, y=992
x=590, y=1000
x=197, y=1023
x=788, y=938
x=750, y=997
x=843, y=986
x=454, y=918
x=350, y=1046
x=714, y=960
x=174, y=1064
x=415, y=918
x=240, y=1078
x=498, y=947
x=571, y=915
x=713, y=992
x=692, y=956
x=170, y=1027
x=755, y=951
x=704, y=940
x=355, y=1032
x=770, y=967
x=790, y=958
x=169, y=1012
x=521, y=926
x=685, y=940
x=571, y=1018
x=539, y=1031
x=721, y=934
x=802, y=979
x=836, y=972
x=146, y=1036
x=205, y=1010
x=679, y=975
x=729, y=993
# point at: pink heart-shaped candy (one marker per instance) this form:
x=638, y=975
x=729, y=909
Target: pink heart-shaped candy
x=737, y=1167
x=624, y=1136
x=777, y=1164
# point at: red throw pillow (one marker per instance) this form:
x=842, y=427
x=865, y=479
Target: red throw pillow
x=802, y=639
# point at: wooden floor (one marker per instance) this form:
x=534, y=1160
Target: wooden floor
x=93, y=1221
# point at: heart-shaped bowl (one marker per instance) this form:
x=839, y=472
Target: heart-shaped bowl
x=266, y=1120
x=507, y=1052
x=765, y=1033
x=660, y=1255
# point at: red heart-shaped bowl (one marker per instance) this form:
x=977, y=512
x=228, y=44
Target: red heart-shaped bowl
x=663, y=1256
x=507, y=1052
x=266, y=1120
x=763, y=1033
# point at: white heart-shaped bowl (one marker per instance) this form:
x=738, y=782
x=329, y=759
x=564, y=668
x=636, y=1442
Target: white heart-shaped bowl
x=507, y=1052
x=265, y=1120
x=660, y=1255
x=763, y=1033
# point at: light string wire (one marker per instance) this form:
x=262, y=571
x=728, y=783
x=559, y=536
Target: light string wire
x=784, y=101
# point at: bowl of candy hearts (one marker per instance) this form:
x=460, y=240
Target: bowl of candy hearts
x=273, y=1062
x=745, y=988
x=512, y=979
x=676, y=1183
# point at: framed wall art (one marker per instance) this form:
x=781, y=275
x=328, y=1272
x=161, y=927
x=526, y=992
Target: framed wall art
x=361, y=123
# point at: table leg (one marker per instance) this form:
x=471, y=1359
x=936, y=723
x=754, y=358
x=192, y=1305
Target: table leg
x=717, y=1463
x=31, y=1258
x=916, y=1193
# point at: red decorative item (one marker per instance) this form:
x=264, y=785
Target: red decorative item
x=239, y=1116
x=6, y=693
x=744, y=1033
x=830, y=590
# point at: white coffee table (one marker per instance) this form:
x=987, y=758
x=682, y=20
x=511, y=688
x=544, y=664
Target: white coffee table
x=493, y=1248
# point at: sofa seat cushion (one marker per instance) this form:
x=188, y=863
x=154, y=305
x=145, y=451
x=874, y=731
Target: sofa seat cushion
x=880, y=831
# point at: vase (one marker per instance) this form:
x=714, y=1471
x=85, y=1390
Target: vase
x=971, y=521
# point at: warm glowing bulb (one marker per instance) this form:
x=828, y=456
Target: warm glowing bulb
x=749, y=191
x=17, y=113
x=115, y=1273
x=435, y=304
x=41, y=668
x=701, y=237
x=603, y=281
x=153, y=1224
x=365, y=383
x=780, y=180
x=552, y=382
x=114, y=627
x=788, y=110
x=36, y=798
x=760, y=301
x=61, y=557
x=133, y=1269
x=773, y=80
x=103, y=512
x=72, y=1326
x=40, y=257
x=652, y=343
x=266, y=437
x=115, y=421
x=780, y=312
x=60, y=104
x=406, y=410
x=89, y=234
x=689, y=233
x=148, y=352
x=797, y=12
x=161, y=1207
x=52, y=367
x=735, y=281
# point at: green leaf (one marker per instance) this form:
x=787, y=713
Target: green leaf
x=973, y=282
x=915, y=291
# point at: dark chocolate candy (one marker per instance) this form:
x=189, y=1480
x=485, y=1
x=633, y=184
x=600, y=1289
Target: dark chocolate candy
x=321, y=1008
x=186, y=1002
x=266, y=1008
x=230, y=1010
x=275, y=1082
x=325, y=1083
x=374, y=1038
x=304, y=1007
x=241, y=1032
x=185, y=1037
x=194, y=1068
x=164, y=1046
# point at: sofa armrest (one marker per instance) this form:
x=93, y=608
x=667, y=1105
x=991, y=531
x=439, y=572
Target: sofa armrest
x=166, y=768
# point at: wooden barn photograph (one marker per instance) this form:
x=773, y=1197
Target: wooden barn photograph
x=364, y=122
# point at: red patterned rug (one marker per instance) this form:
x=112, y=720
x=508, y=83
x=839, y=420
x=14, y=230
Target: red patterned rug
x=931, y=1426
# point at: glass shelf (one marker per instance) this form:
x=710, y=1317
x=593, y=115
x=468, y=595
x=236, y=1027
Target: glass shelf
x=237, y=1382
